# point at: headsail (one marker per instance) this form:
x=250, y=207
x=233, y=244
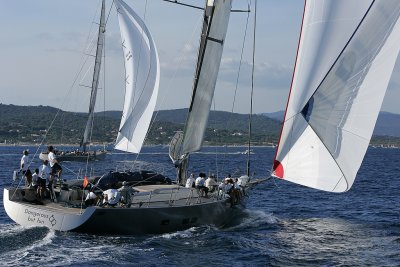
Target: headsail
x=96, y=74
x=215, y=25
x=347, y=51
x=142, y=75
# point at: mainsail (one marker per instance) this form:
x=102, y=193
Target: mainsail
x=95, y=81
x=215, y=25
x=346, y=55
x=142, y=75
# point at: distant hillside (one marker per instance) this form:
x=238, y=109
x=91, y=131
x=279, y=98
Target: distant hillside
x=225, y=120
x=388, y=124
x=114, y=114
x=278, y=115
x=29, y=124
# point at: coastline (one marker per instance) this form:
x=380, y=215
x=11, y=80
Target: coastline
x=374, y=145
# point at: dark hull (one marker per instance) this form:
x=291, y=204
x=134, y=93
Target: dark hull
x=71, y=156
x=93, y=155
x=156, y=220
x=141, y=219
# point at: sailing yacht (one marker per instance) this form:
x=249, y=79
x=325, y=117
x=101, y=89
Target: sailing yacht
x=84, y=154
x=346, y=54
x=152, y=208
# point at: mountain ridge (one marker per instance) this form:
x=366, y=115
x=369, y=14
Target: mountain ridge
x=29, y=124
x=387, y=124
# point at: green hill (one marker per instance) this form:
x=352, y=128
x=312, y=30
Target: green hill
x=29, y=124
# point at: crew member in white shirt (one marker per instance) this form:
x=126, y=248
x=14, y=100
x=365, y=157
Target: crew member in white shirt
x=211, y=183
x=200, y=181
x=43, y=175
x=54, y=165
x=111, y=197
x=190, y=181
x=35, y=179
x=91, y=198
x=24, y=161
x=24, y=165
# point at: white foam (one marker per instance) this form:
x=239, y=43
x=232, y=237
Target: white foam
x=180, y=234
x=10, y=229
x=18, y=256
x=255, y=218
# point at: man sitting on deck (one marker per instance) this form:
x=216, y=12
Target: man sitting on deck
x=91, y=198
x=111, y=197
x=210, y=183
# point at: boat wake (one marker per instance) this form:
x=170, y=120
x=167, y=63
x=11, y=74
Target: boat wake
x=248, y=219
x=188, y=233
x=19, y=244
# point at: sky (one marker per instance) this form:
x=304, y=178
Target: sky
x=43, y=42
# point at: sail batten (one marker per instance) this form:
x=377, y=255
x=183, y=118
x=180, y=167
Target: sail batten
x=215, y=25
x=142, y=75
x=346, y=57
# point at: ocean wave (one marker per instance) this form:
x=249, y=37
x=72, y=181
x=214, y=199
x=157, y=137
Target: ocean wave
x=17, y=243
x=252, y=219
x=180, y=234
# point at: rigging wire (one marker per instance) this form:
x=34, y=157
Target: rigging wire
x=182, y=4
x=62, y=104
x=252, y=87
x=197, y=7
x=89, y=45
x=104, y=87
x=240, y=63
x=84, y=59
x=239, y=70
x=216, y=147
x=101, y=56
x=92, y=121
x=173, y=76
x=109, y=12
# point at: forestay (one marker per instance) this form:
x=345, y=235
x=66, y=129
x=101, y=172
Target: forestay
x=209, y=58
x=142, y=75
x=347, y=52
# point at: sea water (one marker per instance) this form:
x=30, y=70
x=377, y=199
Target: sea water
x=283, y=224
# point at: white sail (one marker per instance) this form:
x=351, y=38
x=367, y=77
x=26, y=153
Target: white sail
x=142, y=72
x=209, y=58
x=346, y=55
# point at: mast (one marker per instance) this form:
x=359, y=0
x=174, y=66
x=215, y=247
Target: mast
x=215, y=25
x=252, y=88
x=95, y=81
